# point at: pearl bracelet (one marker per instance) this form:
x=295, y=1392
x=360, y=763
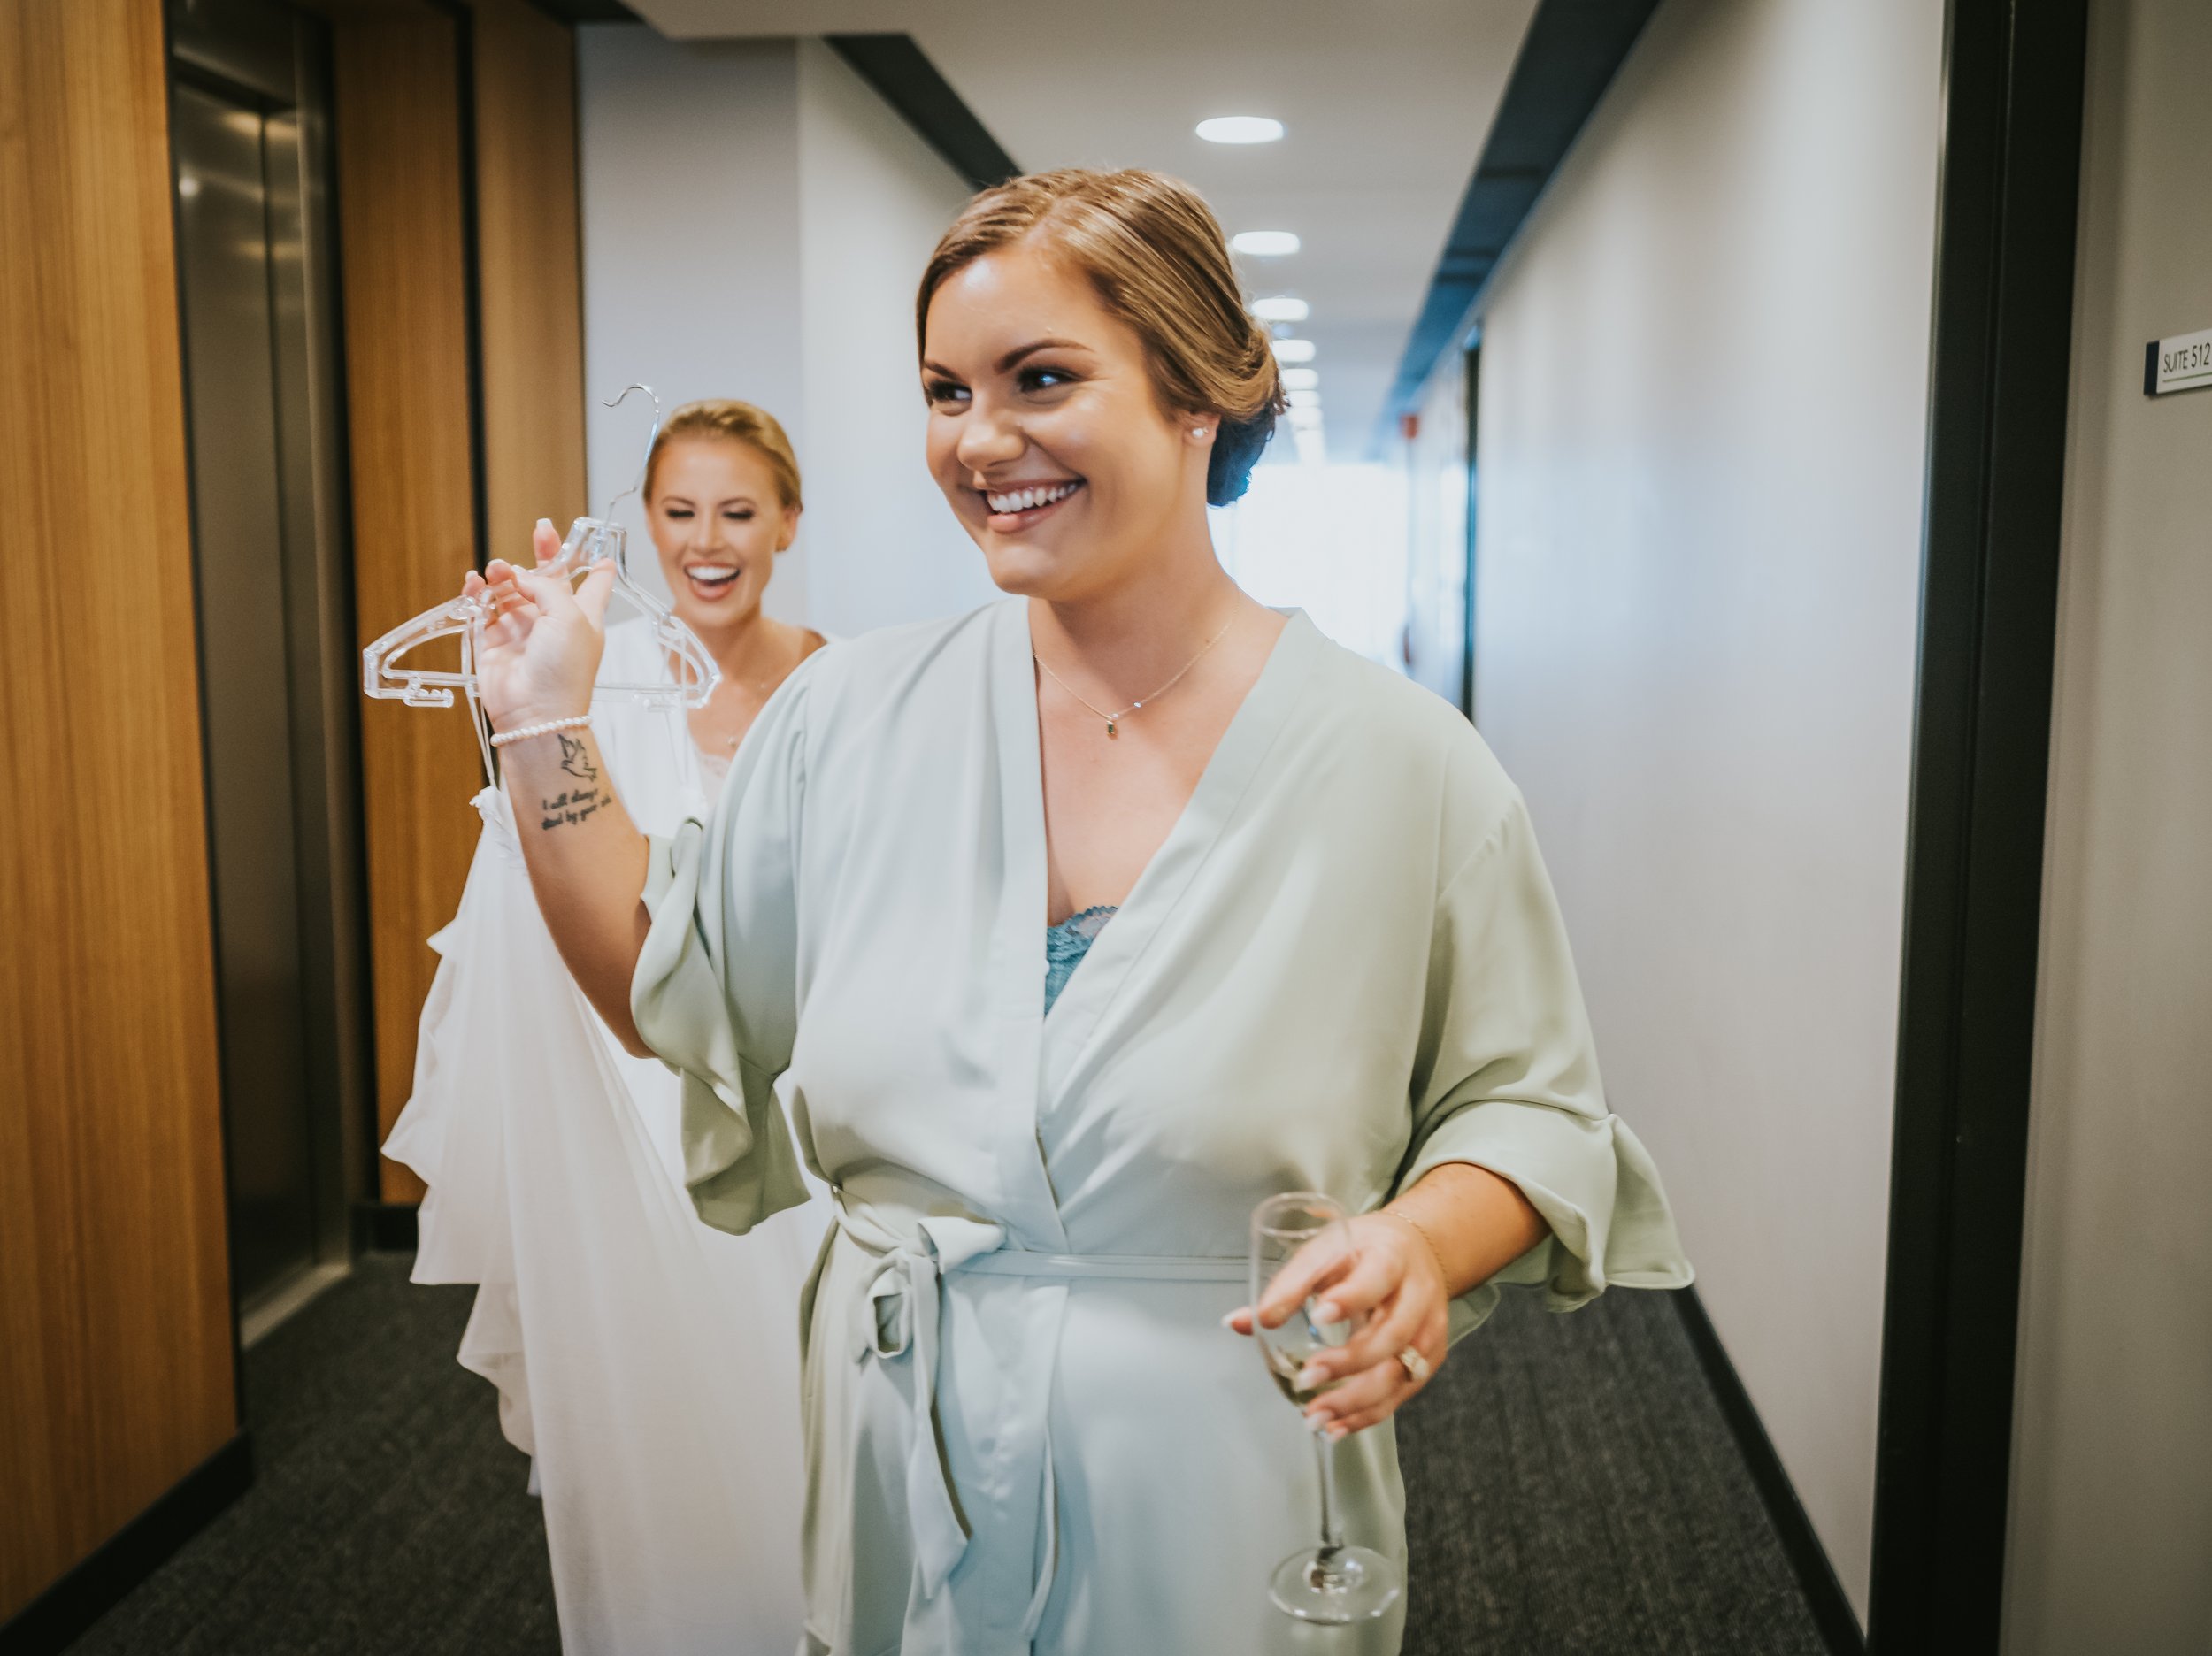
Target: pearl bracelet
x=524, y=733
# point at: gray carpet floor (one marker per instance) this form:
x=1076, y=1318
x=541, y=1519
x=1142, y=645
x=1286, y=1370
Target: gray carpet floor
x=1572, y=1490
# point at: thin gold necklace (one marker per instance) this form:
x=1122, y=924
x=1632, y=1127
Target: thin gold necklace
x=1113, y=720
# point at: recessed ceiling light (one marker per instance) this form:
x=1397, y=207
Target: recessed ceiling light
x=1265, y=244
x=1240, y=129
x=1304, y=400
x=1305, y=418
x=1301, y=379
x=1293, y=350
x=1280, y=308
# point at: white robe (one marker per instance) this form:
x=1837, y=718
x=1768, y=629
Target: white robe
x=1027, y=1428
x=617, y=1327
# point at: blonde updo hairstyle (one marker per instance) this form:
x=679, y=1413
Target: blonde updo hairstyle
x=1155, y=254
x=732, y=421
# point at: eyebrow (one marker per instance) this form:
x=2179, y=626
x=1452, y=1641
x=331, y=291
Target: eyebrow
x=1013, y=359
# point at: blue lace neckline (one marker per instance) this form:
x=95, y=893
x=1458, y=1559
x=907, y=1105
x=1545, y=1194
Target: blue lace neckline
x=1067, y=943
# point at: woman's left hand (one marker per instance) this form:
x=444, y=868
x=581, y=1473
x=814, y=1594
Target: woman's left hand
x=1395, y=1288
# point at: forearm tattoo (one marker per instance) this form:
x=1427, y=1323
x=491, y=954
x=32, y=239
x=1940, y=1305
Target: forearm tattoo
x=567, y=810
x=576, y=759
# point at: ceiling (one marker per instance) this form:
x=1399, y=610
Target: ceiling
x=1387, y=105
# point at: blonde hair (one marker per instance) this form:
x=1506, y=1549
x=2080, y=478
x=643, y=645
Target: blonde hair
x=733, y=422
x=1155, y=252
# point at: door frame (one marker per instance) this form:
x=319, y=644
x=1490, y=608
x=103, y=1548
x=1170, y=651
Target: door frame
x=1997, y=392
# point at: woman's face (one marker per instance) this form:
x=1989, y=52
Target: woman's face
x=1045, y=434
x=718, y=524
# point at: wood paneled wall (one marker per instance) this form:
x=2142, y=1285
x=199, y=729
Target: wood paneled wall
x=530, y=259
x=116, y=1358
x=406, y=210
x=402, y=222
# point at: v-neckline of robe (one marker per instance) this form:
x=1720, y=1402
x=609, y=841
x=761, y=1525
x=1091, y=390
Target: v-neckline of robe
x=1236, y=758
x=1045, y=1052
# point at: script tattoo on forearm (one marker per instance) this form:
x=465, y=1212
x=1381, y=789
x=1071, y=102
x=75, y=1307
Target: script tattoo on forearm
x=566, y=810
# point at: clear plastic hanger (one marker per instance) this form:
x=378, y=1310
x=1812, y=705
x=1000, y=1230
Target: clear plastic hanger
x=591, y=541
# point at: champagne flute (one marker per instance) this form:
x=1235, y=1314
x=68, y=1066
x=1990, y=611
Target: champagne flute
x=1333, y=1584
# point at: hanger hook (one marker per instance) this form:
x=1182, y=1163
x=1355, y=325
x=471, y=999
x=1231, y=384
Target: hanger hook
x=651, y=438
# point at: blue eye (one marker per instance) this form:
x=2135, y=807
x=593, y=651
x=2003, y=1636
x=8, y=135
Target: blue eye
x=944, y=391
x=1046, y=379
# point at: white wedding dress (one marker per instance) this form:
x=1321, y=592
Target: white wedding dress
x=647, y=1364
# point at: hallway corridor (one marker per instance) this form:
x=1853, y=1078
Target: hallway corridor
x=1573, y=1492
x=1597, y=605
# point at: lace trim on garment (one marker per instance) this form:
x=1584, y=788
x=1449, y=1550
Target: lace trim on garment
x=1067, y=943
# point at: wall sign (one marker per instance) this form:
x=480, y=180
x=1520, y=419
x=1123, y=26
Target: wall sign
x=2180, y=363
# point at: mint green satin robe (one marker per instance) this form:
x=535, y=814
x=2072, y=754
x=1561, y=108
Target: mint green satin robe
x=1027, y=1428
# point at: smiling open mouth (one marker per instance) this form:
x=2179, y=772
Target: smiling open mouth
x=711, y=580
x=1018, y=509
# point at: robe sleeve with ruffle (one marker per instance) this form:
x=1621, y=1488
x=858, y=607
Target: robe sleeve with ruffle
x=1506, y=1079
x=715, y=993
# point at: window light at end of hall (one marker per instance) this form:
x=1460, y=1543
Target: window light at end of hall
x=1241, y=129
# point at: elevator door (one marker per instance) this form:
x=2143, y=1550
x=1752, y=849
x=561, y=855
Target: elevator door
x=262, y=530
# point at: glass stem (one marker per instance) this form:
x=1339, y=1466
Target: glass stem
x=1331, y=1526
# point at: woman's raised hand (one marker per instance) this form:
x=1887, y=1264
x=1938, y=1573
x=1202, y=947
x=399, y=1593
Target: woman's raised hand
x=537, y=659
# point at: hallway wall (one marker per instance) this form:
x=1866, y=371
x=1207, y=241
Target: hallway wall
x=689, y=158
x=116, y=1376
x=1700, y=446
x=756, y=219
x=2111, y=1526
x=882, y=545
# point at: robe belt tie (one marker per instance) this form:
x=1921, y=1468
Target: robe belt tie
x=899, y=1317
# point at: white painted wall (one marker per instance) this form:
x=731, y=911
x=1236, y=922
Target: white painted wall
x=1700, y=445
x=2111, y=1531
x=689, y=177
x=754, y=221
x=1329, y=539
x=882, y=545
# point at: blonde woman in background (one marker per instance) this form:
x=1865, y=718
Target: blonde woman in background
x=722, y=499
x=616, y=1326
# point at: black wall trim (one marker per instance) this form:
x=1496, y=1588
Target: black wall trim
x=386, y=1227
x=1569, y=56
x=1824, y=1596
x=909, y=83
x=50, y=1621
x=1996, y=447
x=586, y=10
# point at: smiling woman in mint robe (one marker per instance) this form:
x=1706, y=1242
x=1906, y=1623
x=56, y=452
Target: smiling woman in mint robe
x=1313, y=949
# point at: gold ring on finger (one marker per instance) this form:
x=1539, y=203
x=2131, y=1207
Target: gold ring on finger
x=1416, y=1366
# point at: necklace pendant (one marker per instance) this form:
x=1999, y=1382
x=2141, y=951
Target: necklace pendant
x=1112, y=728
